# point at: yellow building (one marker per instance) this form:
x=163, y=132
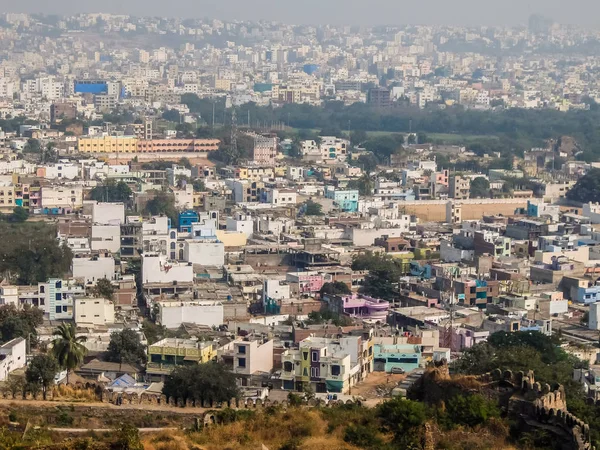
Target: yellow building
x=7, y=197
x=108, y=144
x=165, y=355
x=254, y=173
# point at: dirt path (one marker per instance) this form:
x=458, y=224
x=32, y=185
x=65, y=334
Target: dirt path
x=109, y=430
x=50, y=403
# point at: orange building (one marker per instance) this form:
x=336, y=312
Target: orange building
x=177, y=145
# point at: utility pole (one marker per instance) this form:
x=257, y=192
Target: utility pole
x=213, y=121
x=233, y=132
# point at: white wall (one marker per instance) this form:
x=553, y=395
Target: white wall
x=245, y=226
x=201, y=313
x=207, y=253
x=594, y=319
x=98, y=311
x=156, y=269
x=108, y=213
x=15, y=356
x=92, y=270
x=106, y=237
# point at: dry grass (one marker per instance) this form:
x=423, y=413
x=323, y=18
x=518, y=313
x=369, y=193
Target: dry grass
x=64, y=392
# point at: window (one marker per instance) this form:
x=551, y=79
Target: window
x=315, y=356
x=314, y=372
x=288, y=366
x=242, y=349
x=242, y=362
x=58, y=309
x=335, y=370
x=58, y=296
x=305, y=356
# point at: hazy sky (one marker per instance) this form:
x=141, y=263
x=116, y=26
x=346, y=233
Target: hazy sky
x=368, y=12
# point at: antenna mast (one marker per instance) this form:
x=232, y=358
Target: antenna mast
x=233, y=132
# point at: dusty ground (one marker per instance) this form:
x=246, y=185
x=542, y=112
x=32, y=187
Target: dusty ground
x=377, y=386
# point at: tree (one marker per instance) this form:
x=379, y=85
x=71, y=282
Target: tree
x=49, y=154
x=199, y=185
x=403, y=418
x=125, y=346
x=30, y=253
x=41, y=372
x=357, y=137
x=19, y=215
x=587, y=188
x=470, y=410
x=111, y=192
x=364, y=185
x=480, y=188
x=104, y=288
x=163, y=204
x=67, y=347
x=335, y=288
x=384, y=274
x=127, y=438
x=412, y=139
x=210, y=381
x=368, y=162
x=172, y=115
x=313, y=208
x=32, y=146
x=16, y=323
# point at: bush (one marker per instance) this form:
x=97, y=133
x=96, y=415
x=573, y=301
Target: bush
x=470, y=410
x=362, y=436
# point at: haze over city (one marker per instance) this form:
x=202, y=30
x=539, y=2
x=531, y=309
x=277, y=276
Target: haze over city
x=351, y=12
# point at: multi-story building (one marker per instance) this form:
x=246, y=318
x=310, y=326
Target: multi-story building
x=13, y=356
x=95, y=311
x=107, y=144
x=345, y=200
x=171, y=314
x=177, y=145
x=379, y=97
x=169, y=353
x=327, y=365
x=59, y=199
x=56, y=297
x=459, y=188
x=248, y=356
x=265, y=150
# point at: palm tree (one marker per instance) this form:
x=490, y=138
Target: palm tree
x=68, y=348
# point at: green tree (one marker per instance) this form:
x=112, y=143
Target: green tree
x=368, y=162
x=112, y=192
x=470, y=410
x=49, y=154
x=163, y=204
x=104, y=288
x=16, y=323
x=313, y=208
x=202, y=382
x=19, y=215
x=41, y=372
x=125, y=346
x=480, y=188
x=384, y=274
x=67, y=347
x=364, y=185
x=358, y=137
x=404, y=419
x=32, y=146
x=199, y=185
x=587, y=188
x=127, y=438
x=335, y=288
x=30, y=253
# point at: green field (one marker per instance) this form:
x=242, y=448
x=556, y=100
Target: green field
x=446, y=138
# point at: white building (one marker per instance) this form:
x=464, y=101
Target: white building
x=158, y=236
x=13, y=356
x=108, y=213
x=67, y=197
x=241, y=222
x=282, y=197
x=594, y=316
x=157, y=269
x=60, y=170
x=173, y=314
x=96, y=311
x=106, y=237
x=207, y=252
x=276, y=290
x=9, y=295
x=91, y=269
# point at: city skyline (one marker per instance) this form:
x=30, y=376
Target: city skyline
x=378, y=12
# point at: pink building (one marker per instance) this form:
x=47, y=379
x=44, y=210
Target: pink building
x=307, y=282
x=365, y=307
x=462, y=338
x=265, y=150
x=441, y=177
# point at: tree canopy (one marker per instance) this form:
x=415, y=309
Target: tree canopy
x=125, y=346
x=335, y=288
x=480, y=188
x=112, y=192
x=31, y=253
x=40, y=373
x=104, y=289
x=587, y=188
x=22, y=322
x=164, y=204
x=202, y=382
x=384, y=274
x=313, y=208
x=67, y=347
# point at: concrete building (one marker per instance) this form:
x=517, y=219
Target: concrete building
x=108, y=213
x=107, y=144
x=172, y=314
x=90, y=269
x=265, y=150
x=56, y=297
x=345, y=200
x=157, y=268
x=95, y=311
x=60, y=199
x=169, y=353
x=106, y=237
x=9, y=295
x=459, y=187
x=594, y=316
x=388, y=357
x=13, y=356
x=251, y=356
